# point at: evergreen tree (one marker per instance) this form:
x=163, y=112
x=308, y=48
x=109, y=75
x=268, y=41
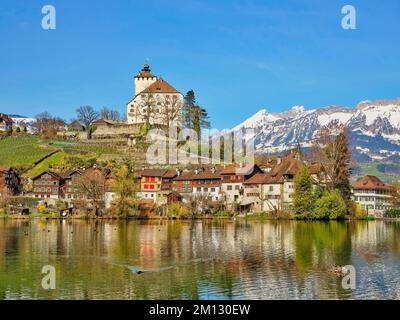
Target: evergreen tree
x=189, y=104
x=200, y=120
x=303, y=196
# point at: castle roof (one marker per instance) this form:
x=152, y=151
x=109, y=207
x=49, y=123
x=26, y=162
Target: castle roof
x=160, y=86
x=145, y=72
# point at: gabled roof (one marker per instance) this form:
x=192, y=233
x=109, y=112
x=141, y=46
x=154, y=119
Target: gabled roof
x=289, y=166
x=370, y=182
x=236, y=169
x=170, y=174
x=160, y=86
x=258, y=178
x=184, y=176
x=52, y=173
x=153, y=172
x=207, y=175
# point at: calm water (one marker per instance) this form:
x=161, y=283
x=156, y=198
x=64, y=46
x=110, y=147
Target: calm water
x=198, y=260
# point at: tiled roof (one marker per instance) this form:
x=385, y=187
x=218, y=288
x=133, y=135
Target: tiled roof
x=258, y=178
x=370, y=182
x=289, y=166
x=52, y=173
x=184, y=176
x=170, y=174
x=153, y=172
x=160, y=86
x=236, y=169
x=145, y=72
x=207, y=175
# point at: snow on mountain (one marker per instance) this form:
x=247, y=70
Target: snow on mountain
x=374, y=127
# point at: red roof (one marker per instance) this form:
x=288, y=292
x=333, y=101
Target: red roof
x=370, y=182
x=258, y=178
x=237, y=169
x=160, y=86
x=145, y=72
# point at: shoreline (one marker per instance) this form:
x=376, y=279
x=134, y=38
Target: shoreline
x=160, y=218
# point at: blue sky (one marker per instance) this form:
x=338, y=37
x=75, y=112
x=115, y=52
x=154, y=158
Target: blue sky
x=238, y=56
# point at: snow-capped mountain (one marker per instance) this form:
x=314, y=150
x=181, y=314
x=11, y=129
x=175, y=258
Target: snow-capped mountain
x=374, y=128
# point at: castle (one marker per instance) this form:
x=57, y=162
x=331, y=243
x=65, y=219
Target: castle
x=155, y=101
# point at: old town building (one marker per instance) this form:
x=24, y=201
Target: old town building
x=372, y=195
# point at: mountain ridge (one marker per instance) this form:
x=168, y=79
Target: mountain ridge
x=374, y=128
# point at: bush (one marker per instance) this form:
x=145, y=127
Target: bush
x=330, y=206
x=393, y=212
x=178, y=210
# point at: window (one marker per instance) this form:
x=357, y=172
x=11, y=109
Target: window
x=147, y=179
x=212, y=189
x=146, y=186
x=237, y=187
x=152, y=179
x=271, y=188
x=229, y=187
x=152, y=186
x=232, y=178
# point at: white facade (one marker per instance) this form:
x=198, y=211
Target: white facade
x=213, y=193
x=154, y=101
x=232, y=192
x=373, y=201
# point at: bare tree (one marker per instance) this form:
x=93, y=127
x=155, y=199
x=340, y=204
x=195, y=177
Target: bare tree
x=45, y=122
x=87, y=115
x=91, y=186
x=148, y=109
x=171, y=111
x=109, y=114
x=395, y=194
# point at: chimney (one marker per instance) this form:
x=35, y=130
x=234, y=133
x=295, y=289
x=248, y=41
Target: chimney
x=213, y=170
x=196, y=171
x=279, y=160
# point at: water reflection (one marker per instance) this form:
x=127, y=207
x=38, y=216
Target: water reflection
x=198, y=260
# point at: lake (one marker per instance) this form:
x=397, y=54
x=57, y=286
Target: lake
x=198, y=259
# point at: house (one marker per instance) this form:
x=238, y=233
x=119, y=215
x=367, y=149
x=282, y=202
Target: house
x=273, y=190
x=253, y=195
x=279, y=187
x=232, y=179
x=69, y=190
x=372, y=194
x=152, y=96
x=174, y=197
x=47, y=185
x=183, y=182
x=207, y=183
x=6, y=122
x=156, y=184
x=9, y=181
